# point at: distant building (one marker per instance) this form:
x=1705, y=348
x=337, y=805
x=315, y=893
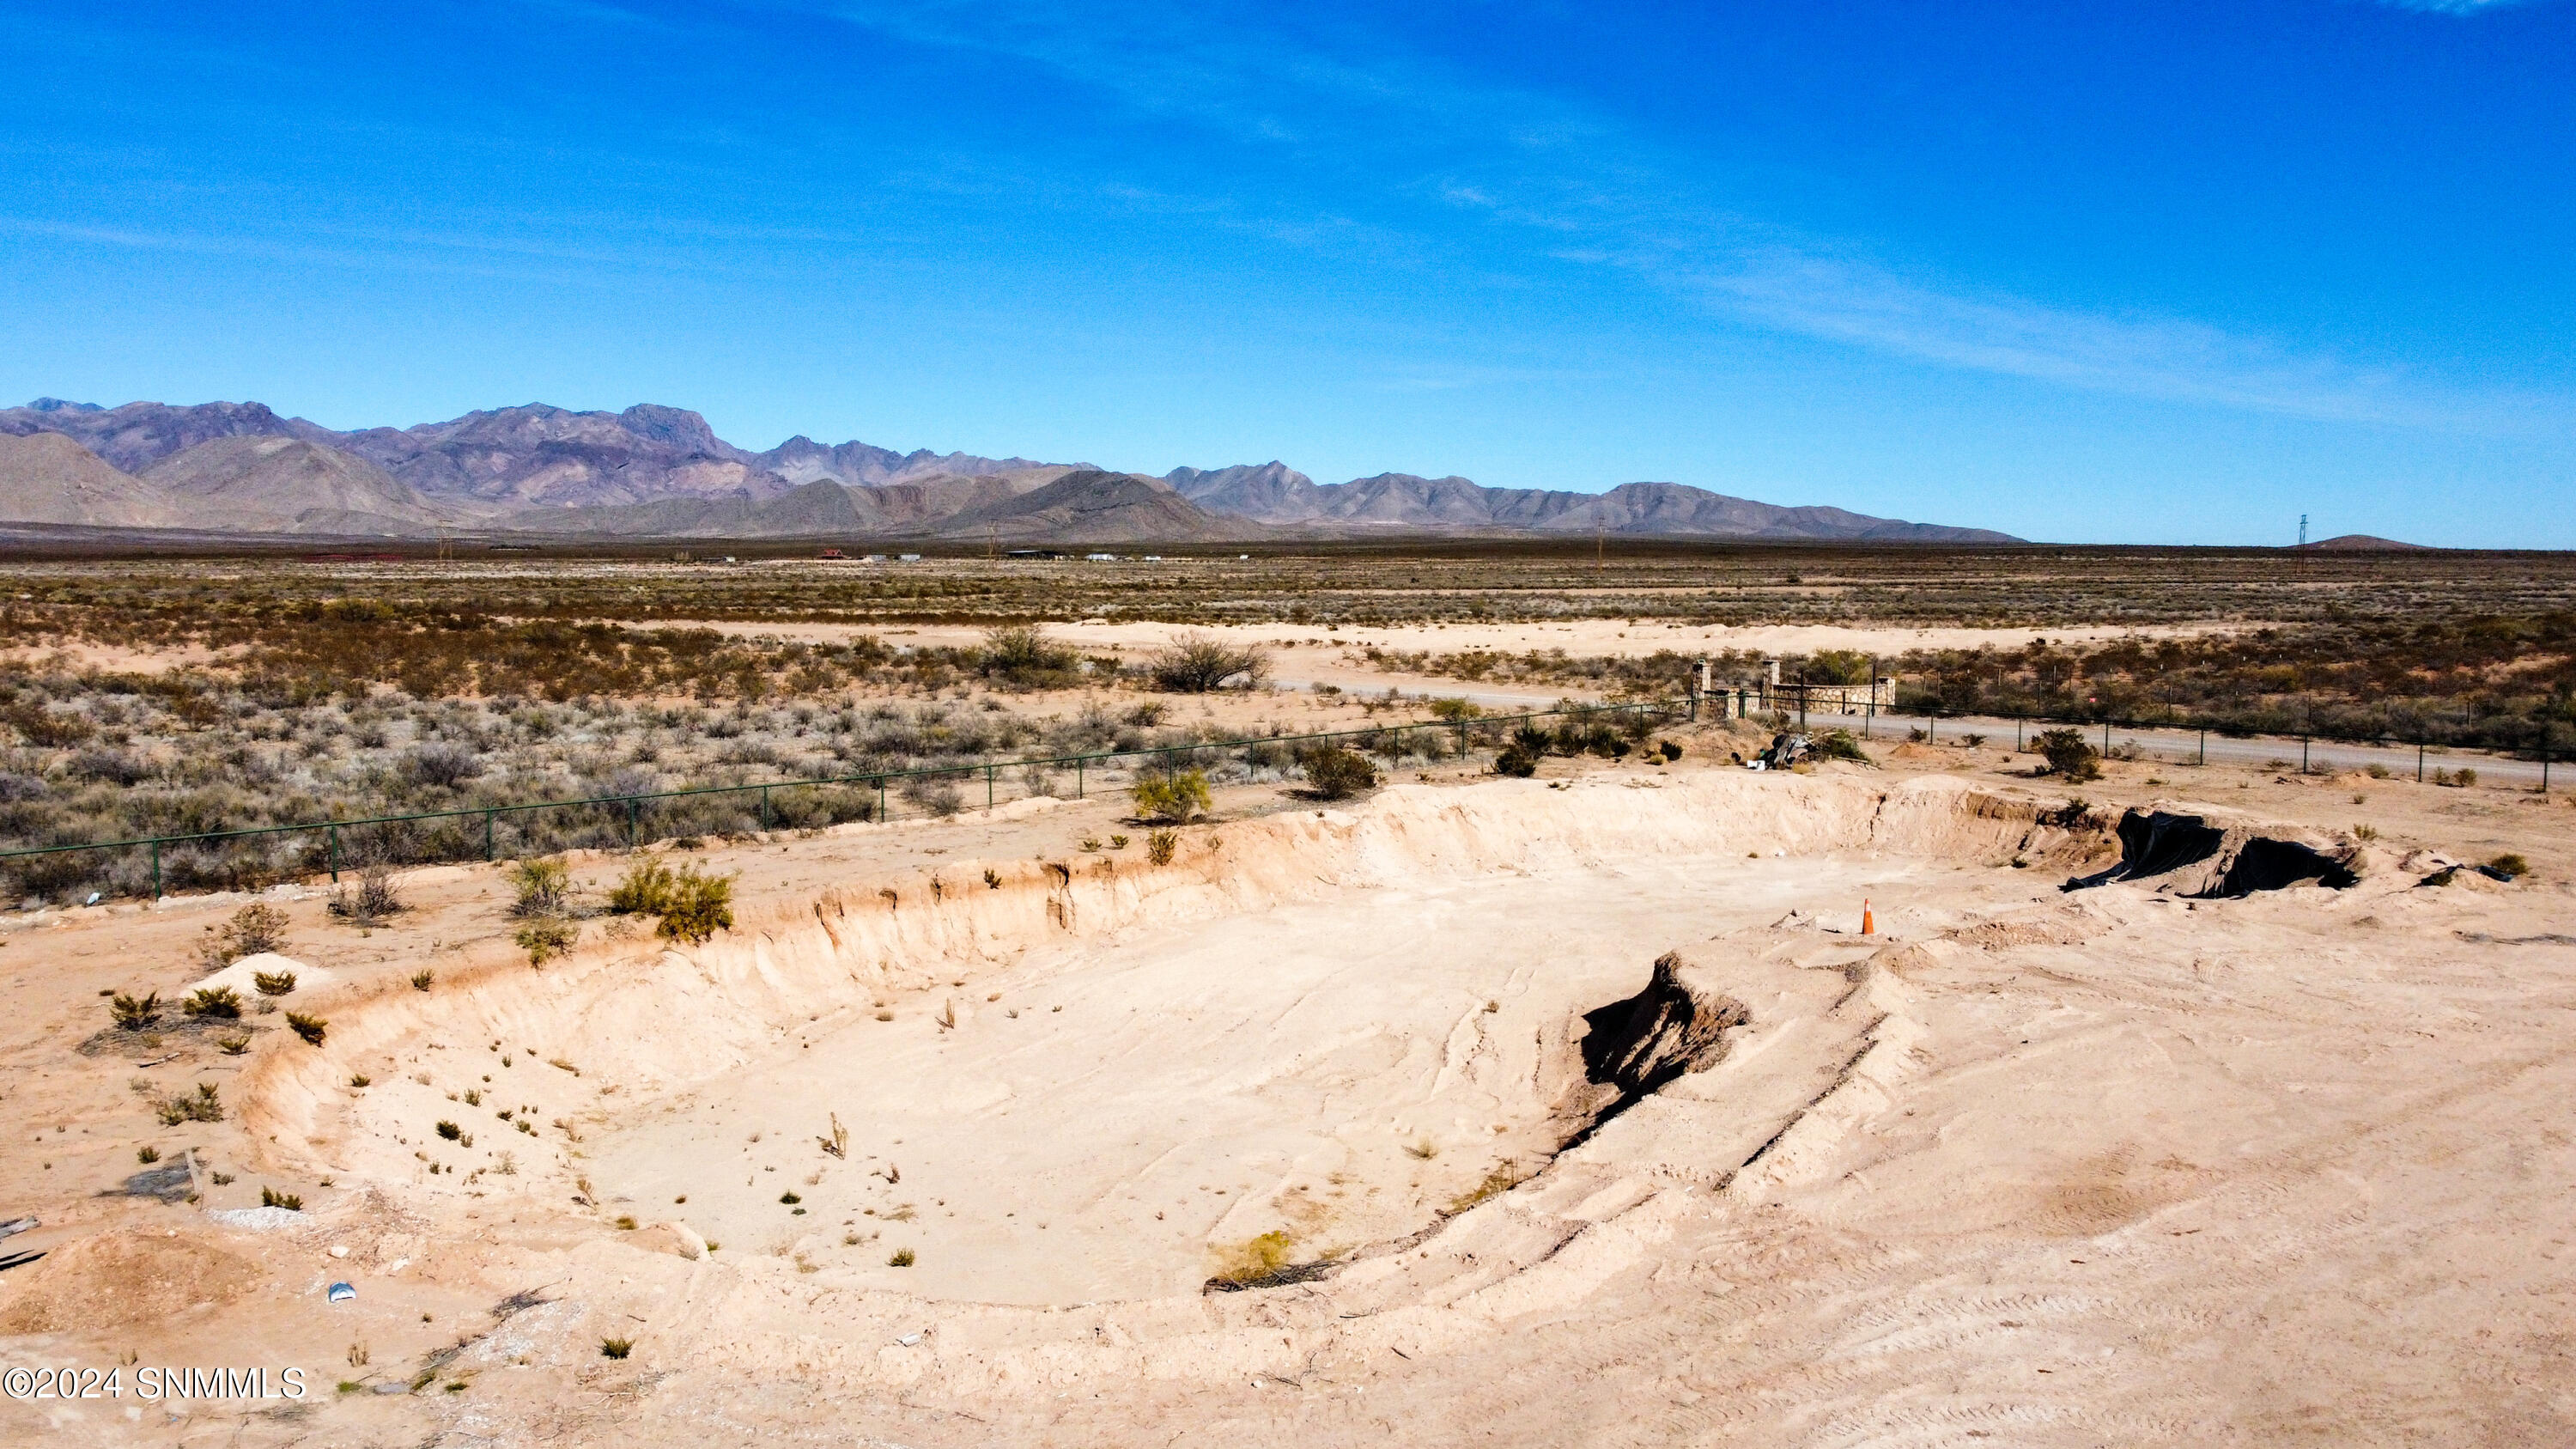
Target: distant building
x=1100, y=558
x=907, y=558
x=834, y=553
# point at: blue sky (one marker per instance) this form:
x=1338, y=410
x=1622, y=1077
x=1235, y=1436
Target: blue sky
x=2165, y=272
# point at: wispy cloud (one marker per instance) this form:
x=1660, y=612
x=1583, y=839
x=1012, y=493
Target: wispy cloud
x=1586, y=191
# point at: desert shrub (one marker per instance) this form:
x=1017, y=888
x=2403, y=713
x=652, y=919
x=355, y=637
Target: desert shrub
x=2069, y=756
x=372, y=901
x=901, y=1258
x=1197, y=663
x=616, y=1347
x=1178, y=797
x=133, y=1013
x=219, y=1002
x=206, y=1106
x=443, y=764
x=2377, y=771
x=1160, y=845
x=311, y=1028
x=271, y=1197
x=545, y=938
x=253, y=929
x=1022, y=656
x=645, y=889
x=1455, y=711
x=273, y=983
x=2509, y=866
x=233, y=1046
x=1838, y=745
x=1668, y=749
x=940, y=797
x=699, y=906
x=1516, y=762
x=423, y=979
x=450, y=1131
x=544, y=886
x=1335, y=774
x=147, y=1155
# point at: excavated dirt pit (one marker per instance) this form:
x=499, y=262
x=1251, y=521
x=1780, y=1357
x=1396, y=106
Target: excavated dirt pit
x=1527, y=1112
x=1092, y=1079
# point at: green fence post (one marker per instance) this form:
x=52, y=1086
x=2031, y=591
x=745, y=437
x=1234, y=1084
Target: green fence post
x=633, y=808
x=156, y=848
x=764, y=808
x=881, y=800
x=487, y=835
x=2106, y=737
x=2204, y=744
x=988, y=787
x=335, y=854
x=2419, y=762
x=2303, y=754
x=1077, y=777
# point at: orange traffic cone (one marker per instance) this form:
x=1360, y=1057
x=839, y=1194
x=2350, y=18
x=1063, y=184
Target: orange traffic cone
x=1868, y=924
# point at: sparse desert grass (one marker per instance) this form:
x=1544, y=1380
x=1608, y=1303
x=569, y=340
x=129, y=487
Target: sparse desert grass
x=273, y=983
x=545, y=938
x=620, y=1347
x=311, y=1028
x=271, y=1197
x=1161, y=845
x=133, y=1013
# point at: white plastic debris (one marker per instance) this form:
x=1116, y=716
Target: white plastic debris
x=343, y=1292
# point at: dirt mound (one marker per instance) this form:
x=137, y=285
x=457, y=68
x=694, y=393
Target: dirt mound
x=2212, y=855
x=120, y=1278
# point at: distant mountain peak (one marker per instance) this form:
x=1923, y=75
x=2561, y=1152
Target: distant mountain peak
x=657, y=470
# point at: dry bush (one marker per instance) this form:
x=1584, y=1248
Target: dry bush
x=1160, y=846
x=545, y=938
x=2069, y=755
x=1021, y=656
x=273, y=983
x=271, y=1197
x=134, y=1013
x=253, y=929
x=645, y=889
x=1198, y=663
x=372, y=902
x=544, y=887
x=1333, y=773
x=311, y=1028
x=699, y=906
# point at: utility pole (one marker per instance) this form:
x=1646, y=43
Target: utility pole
x=2303, y=530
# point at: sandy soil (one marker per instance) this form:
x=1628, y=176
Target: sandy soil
x=2114, y=1166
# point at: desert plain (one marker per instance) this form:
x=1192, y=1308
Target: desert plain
x=1920, y=1096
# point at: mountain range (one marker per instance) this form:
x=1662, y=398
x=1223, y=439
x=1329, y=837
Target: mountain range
x=655, y=472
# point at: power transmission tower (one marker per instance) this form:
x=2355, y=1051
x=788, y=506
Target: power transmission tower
x=2303, y=530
